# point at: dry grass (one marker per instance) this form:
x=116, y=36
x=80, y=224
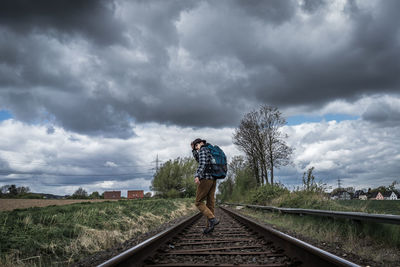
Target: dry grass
x=11, y=204
x=93, y=240
x=61, y=235
x=324, y=232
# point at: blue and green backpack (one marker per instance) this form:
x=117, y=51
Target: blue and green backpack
x=218, y=167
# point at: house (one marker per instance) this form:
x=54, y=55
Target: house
x=358, y=193
x=341, y=195
x=376, y=196
x=362, y=197
x=133, y=194
x=390, y=195
x=112, y=195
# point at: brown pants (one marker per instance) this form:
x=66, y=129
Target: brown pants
x=206, y=191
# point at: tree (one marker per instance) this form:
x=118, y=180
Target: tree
x=147, y=195
x=12, y=190
x=4, y=189
x=94, y=195
x=392, y=186
x=309, y=179
x=259, y=136
x=309, y=183
x=225, y=189
x=278, y=152
x=227, y=186
x=175, y=178
x=80, y=194
x=239, y=182
x=23, y=190
x=249, y=138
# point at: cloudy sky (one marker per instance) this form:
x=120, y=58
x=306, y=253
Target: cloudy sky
x=92, y=91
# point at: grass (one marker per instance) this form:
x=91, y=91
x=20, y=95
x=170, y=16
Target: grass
x=375, y=242
x=315, y=200
x=379, y=243
x=61, y=235
x=372, y=206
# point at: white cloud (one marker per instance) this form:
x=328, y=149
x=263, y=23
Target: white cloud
x=44, y=161
x=359, y=152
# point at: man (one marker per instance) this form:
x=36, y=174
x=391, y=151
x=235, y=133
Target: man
x=206, y=184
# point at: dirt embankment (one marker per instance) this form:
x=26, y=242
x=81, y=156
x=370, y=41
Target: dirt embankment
x=11, y=204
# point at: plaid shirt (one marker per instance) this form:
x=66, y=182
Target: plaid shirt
x=204, y=161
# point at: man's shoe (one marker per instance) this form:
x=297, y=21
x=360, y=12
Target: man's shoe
x=211, y=224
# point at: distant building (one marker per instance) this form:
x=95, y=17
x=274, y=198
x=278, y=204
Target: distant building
x=112, y=195
x=358, y=193
x=341, y=195
x=376, y=196
x=362, y=197
x=133, y=194
x=390, y=195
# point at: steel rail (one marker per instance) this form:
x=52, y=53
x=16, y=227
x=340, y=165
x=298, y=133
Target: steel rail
x=298, y=250
x=135, y=255
x=293, y=247
x=356, y=216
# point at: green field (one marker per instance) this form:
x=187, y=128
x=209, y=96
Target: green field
x=61, y=235
x=372, y=206
x=378, y=244
x=310, y=200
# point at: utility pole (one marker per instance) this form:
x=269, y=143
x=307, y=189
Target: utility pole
x=157, y=163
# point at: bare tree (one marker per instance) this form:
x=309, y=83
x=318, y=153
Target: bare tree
x=278, y=152
x=260, y=137
x=80, y=193
x=248, y=137
x=4, y=189
x=23, y=190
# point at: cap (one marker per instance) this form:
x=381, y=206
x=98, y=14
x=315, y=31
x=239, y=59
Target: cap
x=198, y=140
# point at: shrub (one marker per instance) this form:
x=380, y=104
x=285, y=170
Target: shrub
x=264, y=194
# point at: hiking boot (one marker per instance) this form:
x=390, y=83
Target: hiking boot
x=211, y=224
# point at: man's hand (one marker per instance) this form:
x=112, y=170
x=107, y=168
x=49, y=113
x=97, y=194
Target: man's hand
x=197, y=180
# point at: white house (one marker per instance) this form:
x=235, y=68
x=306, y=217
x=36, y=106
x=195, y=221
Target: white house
x=390, y=196
x=363, y=197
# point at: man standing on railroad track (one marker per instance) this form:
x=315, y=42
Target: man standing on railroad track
x=206, y=184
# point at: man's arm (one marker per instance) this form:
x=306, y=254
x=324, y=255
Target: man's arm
x=202, y=163
x=195, y=155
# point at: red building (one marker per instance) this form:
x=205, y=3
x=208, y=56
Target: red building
x=133, y=194
x=377, y=196
x=112, y=195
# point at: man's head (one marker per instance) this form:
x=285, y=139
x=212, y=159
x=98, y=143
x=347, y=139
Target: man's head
x=197, y=143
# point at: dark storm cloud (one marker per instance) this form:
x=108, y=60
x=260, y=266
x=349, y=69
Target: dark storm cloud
x=274, y=11
x=312, y=6
x=382, y=114
x=98, y=67
x=368, y=63
x=91, y=18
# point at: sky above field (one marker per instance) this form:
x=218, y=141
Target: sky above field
x=92, y=91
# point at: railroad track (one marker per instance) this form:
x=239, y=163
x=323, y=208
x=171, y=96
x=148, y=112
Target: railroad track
x=236, y=241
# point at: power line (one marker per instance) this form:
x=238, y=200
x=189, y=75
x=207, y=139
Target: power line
x=80, y=175
x=73, y=164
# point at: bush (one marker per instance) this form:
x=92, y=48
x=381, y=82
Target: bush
x=173, y=193
x=264, y=194
x=301, y=199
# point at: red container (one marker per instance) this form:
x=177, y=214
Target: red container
x=133, y=194
x=112, y=195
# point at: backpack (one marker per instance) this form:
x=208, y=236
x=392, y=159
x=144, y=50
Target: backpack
x=218, y=167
